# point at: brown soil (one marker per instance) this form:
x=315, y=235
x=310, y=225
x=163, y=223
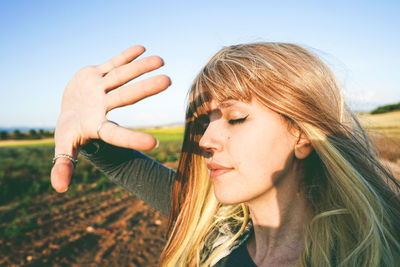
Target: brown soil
x=110, y=228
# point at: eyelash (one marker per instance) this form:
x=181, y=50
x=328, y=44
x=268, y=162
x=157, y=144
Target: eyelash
x=205, y=122
x=237, y=121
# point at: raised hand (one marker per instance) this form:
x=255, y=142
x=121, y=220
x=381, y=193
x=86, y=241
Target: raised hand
x=91, y=93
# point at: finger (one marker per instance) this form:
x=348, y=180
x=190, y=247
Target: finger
x=63, y=168
x=61, y=174
x=122, y=137
x=125, y=57
x=127, y=72
x=135, y=92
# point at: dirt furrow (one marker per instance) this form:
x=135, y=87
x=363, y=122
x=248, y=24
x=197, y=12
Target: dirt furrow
x=100, y=229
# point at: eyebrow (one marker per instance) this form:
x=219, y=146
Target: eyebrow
x=227, y=103
x=223, y=105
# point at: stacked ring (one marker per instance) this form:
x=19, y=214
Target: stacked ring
x=74, y=161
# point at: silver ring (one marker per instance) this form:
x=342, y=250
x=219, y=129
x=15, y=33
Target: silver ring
x=101, y=125
x=74, y=161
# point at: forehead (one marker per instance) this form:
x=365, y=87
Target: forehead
x=253, y=106
x=215, y=104
x=204, y=98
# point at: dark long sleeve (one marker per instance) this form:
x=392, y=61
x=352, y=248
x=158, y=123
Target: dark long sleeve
x=147, y=179
x=151, y=182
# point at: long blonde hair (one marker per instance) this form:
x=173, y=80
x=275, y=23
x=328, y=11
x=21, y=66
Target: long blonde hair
x=356, y=220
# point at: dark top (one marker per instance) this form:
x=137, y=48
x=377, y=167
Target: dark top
x=238, y=257
x=148, y=180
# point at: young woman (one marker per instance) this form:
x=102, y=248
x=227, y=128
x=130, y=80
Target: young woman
x=275, y=170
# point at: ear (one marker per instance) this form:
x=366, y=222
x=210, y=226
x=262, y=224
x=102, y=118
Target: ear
x=303, y=147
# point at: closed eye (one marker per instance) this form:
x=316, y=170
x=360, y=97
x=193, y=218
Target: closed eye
x=237, y=121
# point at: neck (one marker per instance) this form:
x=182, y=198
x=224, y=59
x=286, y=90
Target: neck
x=279, y=219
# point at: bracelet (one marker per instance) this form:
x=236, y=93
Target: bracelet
x=74, y=161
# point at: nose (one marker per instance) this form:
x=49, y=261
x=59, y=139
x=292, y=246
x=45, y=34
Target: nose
x=211, y=141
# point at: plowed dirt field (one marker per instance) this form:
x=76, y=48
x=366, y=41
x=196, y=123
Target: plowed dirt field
x=111, y=228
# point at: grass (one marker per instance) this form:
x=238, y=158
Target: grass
x=27, y=143
x=166, y=134
x=386, y=123
x=163, y=134
x=25, y=169
x=25, y=164
x=384, y=132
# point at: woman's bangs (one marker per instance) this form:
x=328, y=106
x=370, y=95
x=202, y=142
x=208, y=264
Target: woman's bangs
x=218, y=82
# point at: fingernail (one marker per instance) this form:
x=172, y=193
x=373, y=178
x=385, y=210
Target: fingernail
x=157, y=144
x=64, y=190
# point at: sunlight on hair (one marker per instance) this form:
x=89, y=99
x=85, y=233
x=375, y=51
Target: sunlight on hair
x=356, y=213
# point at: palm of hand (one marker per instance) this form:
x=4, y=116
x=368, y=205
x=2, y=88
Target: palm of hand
x=88, y=97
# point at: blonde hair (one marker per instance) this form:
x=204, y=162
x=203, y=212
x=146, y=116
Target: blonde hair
x=356, y=220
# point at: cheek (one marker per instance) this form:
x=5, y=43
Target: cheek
x=254, y=163
x=261, y=155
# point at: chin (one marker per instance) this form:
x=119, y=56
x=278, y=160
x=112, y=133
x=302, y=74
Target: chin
x=228, y=197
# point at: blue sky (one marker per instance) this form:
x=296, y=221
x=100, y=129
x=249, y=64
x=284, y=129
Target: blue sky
x=43, y=43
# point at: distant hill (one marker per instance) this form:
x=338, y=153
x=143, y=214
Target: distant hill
x=386, y=108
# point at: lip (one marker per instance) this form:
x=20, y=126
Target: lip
x=217, y=169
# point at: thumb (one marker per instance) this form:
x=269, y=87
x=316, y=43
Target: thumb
x=61, y=174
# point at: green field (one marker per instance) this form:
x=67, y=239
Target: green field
x=386, y=123
x=27, y=143
x=166, y=134
x=25, y=164
x=163, y=134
